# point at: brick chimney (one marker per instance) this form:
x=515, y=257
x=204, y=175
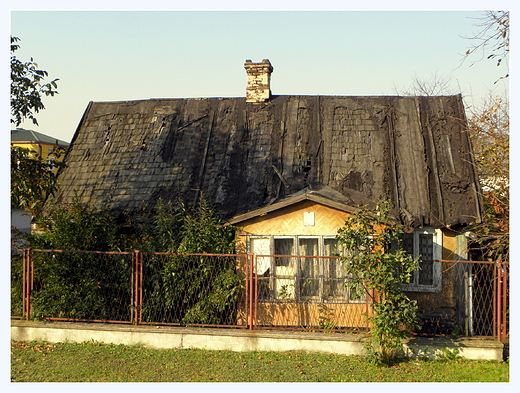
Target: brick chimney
x=258, y=81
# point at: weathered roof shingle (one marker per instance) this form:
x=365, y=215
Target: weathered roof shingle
x=412, y=150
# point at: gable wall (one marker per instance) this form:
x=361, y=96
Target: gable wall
x=289, y=221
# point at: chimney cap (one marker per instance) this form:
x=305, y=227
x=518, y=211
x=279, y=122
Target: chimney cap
x=264, y=64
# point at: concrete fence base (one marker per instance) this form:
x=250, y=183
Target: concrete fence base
x=244, y=340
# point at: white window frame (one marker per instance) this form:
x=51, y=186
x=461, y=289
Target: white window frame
x=436, y=286
x=292, y=294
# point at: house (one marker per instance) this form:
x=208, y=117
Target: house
x=41, y=145
x=289, y=170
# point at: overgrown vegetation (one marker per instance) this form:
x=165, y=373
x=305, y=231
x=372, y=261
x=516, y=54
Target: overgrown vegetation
x=489, y=133
x=195, y=289
x=97, y=362
x=378, y=265
x=32, y=177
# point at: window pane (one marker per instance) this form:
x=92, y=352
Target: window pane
x=408, y=243
x=333, y=280
x=283, y=247
x=333, y=273
x=329, y=247
x=309, y=285
x=284, y=280
x=426, y=251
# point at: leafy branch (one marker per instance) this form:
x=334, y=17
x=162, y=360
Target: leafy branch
x=27, y=87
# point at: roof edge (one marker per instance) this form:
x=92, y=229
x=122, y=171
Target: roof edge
x=307, y=196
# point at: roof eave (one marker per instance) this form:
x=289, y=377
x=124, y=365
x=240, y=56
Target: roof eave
x=288, y=202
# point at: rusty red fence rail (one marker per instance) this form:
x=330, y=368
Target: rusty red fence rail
x=241, y=291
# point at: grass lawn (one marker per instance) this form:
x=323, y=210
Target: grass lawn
x=97, y=362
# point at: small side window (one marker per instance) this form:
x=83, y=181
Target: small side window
x=426, y=243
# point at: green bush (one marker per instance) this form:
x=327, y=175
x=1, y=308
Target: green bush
x=376, y=262
x=177, y=288
x=190, y=288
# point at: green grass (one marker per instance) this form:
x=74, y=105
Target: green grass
x=97, y=362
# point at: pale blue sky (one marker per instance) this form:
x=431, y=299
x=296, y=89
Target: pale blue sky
x=129, y=55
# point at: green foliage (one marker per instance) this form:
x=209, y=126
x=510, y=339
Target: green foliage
x=195, y=289
x=450, y=355
x=16, y=284
x=179, y=288
x=77, y=227
x=376, y=262
x=27, y=87
x=32, y=177
x=79, y=285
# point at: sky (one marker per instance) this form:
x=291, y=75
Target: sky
x=123, y=54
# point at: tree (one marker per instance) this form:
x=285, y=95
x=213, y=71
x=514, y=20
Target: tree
x=27, y=87
x=378, y=265
x=433, y=86
x=489, y=133
x=492, y=41
x=32, y=177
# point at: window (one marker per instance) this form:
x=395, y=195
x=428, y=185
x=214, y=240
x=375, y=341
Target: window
x=291, y=269
x=51, y=163
x=427, y=243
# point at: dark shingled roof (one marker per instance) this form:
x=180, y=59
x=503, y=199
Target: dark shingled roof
x=242, y=157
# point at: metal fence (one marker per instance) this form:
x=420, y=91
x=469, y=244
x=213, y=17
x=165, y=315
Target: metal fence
x=242, y=291
x=474, y=300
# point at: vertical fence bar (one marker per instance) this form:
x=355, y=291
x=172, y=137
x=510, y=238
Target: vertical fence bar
x=247, y=293
x=24, y=279
x=255, y=293
x=505, y=288
x=495, y=300
x=251, y=291
x=27, y=282
x=132, y=288
x=499, y=300
x=140, y=288
x=137, y=287
x=502, y=306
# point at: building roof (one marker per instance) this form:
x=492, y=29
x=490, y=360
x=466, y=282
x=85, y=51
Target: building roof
x=244, y=156
x=21, y=135
x=325, y=196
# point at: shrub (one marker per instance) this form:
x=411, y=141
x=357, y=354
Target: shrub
x=376, y=263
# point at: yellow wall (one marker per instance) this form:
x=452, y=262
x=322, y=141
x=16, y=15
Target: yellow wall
x=289, y=221
x=41, y=149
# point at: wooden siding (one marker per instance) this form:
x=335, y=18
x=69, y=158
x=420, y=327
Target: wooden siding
x=289, y=221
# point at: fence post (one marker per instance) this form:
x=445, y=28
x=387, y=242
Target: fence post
x=251, y=287
x=505, y=289
x=27, y=282
x=499, y=300
x=501, y=306
x=137, y=287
